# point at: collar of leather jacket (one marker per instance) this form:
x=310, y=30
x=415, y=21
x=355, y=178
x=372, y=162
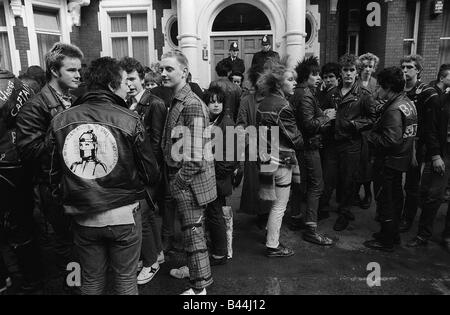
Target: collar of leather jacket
x=393, y=100
x=101, y=96
x=356, y=91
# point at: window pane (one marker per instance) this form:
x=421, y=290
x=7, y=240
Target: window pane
x=119, y=47
x=2, y=15
x=139, y=22
x=45, y=42
x=444, y=53
x=118, y=24
x=45, y=20
x=140, y=49
x=4, y=50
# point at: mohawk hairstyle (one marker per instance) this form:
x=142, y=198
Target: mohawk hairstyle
x=309, y=65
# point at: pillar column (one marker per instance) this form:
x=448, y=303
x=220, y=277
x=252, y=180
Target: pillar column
x=188, y=33
x=295, y=30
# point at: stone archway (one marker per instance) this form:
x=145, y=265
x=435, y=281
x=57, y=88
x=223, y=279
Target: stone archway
x=212, y=9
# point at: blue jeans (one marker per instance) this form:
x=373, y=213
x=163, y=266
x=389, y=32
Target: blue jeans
x=117, y=247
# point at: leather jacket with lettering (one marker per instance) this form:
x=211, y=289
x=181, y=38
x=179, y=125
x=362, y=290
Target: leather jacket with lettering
x=393, y=135
x=101, y=155
x=13, y=96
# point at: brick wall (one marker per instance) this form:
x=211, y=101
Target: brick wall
x=430, y=31
x=395, y=32
x=22, y=42
x=87, y=36
x=159, y=6
x=328, y=33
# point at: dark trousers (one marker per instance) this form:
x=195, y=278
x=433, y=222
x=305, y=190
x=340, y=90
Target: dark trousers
x=432, y=191
x=412, y=190
x=61, y=225
x=16, y=201
x=446, y=234
x=329, y=158
x=348, y=154
x=151, y=238
x=117, y=247
x=389, y=195
x=215, y=223
x=311, y=166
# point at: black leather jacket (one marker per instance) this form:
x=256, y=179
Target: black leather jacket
x=436, y=125
x=310, y=118
x=153, y=113
x=275, y=110
x=13, y=96
x=356, y=111
x=393, y=135
x=32, y=127
x=101, y=155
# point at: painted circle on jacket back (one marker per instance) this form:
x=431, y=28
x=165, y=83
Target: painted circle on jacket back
x=90, y=151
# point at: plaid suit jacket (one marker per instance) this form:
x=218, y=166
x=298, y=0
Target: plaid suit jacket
x=184, y=133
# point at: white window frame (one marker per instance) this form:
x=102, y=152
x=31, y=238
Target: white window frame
x=10, y=23
x=63, y=16
x=108, y=7
x=414, y=40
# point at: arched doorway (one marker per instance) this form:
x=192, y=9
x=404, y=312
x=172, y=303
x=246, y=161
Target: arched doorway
x=242, y=23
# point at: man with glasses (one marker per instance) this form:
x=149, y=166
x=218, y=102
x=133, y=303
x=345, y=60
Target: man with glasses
x=355, y=113
x=423, y=97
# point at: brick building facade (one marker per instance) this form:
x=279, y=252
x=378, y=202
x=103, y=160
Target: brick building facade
x=146, y=29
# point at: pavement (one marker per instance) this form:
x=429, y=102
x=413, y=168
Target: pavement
x=340, y=269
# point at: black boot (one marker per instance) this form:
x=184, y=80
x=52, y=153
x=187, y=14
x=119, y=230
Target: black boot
x=385, y=242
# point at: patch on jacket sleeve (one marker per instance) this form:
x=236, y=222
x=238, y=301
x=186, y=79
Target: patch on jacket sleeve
x=90, y=151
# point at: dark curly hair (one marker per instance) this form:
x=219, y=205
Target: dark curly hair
x=307, y=66
x=104, y=72
x=392, y=78
x=349, y=60
x=130, y=64
x=331, y=67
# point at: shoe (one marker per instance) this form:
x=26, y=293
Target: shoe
x=322, y=215
x=404, y=226
x=161, y=259
x=192, y=292
x=397, y=239
x=377, y=245
x=180, y=273
x=366, y=202
x=417, y=242
x=312, y=236
x=146, y=275
x=341, y=223
x=280, y=251
x=217, y=261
